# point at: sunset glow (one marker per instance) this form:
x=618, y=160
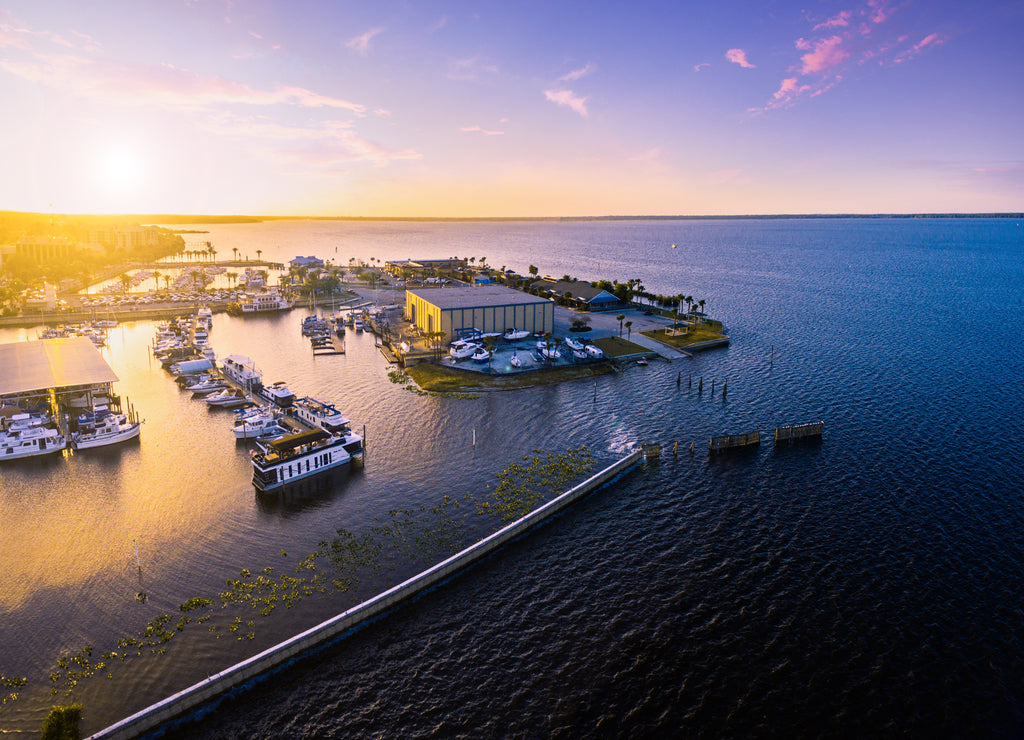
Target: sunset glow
x=439, y=109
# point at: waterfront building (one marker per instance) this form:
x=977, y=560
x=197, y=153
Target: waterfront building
x=422, y=268
x=489, y=308
x=579, y=292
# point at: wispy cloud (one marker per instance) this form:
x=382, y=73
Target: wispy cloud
x=569, y=99
x=577, y=73
x=470, y=68
x=932, y=39
x=702, y=65
x=853, y=36
x=162, y=86
x=361, y=44
x=738, y=56
x=479, y=130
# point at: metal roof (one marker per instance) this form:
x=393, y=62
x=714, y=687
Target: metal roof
x=51, y=363
x=476, y=297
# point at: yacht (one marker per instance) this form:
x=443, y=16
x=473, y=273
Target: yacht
x=263, y=423
x=30, y=442
x=514, y=334
x=462, y=350
x=103, y=427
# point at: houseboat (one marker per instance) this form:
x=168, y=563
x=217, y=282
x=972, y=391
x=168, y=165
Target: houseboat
x=241, y=371
x=320, y=415
x=30, y=442
x=278, y=394
x=297, y=456
x=102, y=427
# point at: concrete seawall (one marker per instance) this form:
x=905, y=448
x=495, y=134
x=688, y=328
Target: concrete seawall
x=192, y=697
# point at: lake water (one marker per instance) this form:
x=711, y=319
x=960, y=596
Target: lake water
x=867, y=585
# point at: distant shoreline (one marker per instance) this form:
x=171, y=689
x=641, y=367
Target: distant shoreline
x=168, y=219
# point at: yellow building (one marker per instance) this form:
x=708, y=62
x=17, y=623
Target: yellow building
x=489, y=308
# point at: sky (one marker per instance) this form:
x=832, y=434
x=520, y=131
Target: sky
x=514, y=109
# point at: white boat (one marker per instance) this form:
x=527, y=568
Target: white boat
x=515, y=334
x=278, y=394
x=462, y=351
x=515, y=361
x=481, y=355
x=320, y=415
x=573, y=343
x=547, y=353
x=31, y=442
x=227, y=398
x=579, y=354
x=594, y=352
x=304, y=455
x=104, y=428
x=267, y=301
x=208, y=385
x=260, y=424
x=241, y=371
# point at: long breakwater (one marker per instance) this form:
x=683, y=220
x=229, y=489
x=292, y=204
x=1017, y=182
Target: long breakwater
x=194, y=696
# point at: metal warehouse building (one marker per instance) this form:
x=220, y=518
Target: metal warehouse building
x=488, y=308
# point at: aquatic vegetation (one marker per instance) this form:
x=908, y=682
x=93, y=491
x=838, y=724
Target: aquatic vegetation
x=10, y=683
x=406, y=535
x=521, y=487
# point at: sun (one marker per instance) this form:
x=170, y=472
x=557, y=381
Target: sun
x=120, y=168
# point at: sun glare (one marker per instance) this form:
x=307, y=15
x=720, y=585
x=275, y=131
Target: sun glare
x=120, y=168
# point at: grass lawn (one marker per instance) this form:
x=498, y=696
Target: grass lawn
x=440, y=379
x=617, y=347
x=707, y=331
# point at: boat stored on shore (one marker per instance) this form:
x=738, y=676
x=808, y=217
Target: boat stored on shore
x=303, y=455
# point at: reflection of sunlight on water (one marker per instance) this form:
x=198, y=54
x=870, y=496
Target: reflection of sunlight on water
x=622, y=442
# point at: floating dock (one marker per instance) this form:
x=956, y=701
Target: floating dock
x=734, y=442
x=332, y=345
x=799, y=432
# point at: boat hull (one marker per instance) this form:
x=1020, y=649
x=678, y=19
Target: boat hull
x=87, y=441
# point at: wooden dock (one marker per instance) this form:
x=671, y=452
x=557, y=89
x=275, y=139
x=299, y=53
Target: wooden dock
x=734, y=442
x=332, y=345
x=799, y=432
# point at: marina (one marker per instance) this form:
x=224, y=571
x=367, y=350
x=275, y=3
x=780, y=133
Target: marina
x=817, y=576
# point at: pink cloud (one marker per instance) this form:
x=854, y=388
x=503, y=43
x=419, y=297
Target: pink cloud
x=827, y=53
x=568, y=99
x=738, y=56
x=841, y=20
x=879, y=10
x=361, y=44
x=478, y=129
x=702, y=65
x=929, y=40
x=577, y=73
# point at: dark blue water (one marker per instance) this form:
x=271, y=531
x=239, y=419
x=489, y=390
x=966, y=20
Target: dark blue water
x=869, y=585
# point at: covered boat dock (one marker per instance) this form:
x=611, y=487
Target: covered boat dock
x=36, y=373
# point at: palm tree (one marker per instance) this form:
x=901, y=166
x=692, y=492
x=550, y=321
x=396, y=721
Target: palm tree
x=234, y=251
x=156, y=278
x=620, y=319
x=167, y=282
x=125, y=281
x=701, y=304
x=259, y=254
x=212, y=252
x=629, y=330
x=232, y=277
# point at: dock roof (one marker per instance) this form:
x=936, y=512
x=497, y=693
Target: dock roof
x=51, y=363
